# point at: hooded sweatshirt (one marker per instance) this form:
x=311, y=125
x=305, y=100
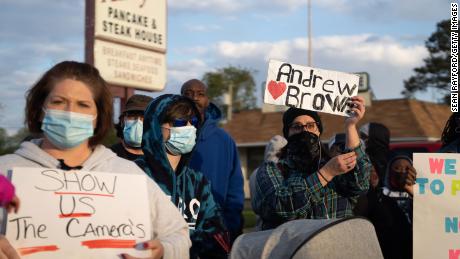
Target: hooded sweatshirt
x=216, y=156
x=167, y=224
x=188, y=189
x=402, y=198
x=390, y=212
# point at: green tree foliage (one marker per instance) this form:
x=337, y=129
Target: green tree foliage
x=243, y=83
x=435, y=73
x=8, y=144
x=3, y=141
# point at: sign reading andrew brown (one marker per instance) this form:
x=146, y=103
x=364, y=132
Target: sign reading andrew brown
x=134, y=22
x=309, y=88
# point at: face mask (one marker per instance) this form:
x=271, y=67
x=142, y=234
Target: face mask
x=398, y=180
x=181, y=140
x=132, y=132
x=304, y=150
x=67, y=129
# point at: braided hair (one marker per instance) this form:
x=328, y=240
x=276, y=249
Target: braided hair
x=449, y=134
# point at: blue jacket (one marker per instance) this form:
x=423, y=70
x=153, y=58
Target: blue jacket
x=188, y=189
x=216, y=156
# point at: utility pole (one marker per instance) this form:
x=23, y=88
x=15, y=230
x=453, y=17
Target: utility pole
x=309, y=34
x=230, y=102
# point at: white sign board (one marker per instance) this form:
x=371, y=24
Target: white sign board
x=135, y=22
x=436, y=229
x=128, y=66
x=78, y=214
x=309, y=88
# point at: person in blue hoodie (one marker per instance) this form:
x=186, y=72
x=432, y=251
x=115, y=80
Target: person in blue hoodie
x=217, y=157
x=170, y=129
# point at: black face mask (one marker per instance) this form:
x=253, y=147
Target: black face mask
x=398, y=180
x=303, y=149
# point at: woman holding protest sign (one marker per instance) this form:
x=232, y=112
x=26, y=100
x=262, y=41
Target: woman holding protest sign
x=306, y=183
x=171, y=123
x=72, y=107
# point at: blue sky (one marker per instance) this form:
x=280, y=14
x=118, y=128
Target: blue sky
x=383, y=37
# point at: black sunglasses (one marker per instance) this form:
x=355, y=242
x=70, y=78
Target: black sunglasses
x=183, y=122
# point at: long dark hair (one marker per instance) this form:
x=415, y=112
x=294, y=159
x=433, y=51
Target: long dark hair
x=82, y=72
x=449, y=133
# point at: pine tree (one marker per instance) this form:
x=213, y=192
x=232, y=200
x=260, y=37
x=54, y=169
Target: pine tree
x=435, y=73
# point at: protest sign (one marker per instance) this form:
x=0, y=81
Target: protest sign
x=436, y=212
x=309, y=88
x=78, y=214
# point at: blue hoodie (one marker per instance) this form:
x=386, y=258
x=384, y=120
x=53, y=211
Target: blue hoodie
x=216, y=156
x=188, y=189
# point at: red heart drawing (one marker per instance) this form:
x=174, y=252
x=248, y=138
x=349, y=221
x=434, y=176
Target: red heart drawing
x=276, y=89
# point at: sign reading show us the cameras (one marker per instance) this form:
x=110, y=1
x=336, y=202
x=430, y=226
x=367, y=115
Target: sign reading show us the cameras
x=79, y=214
x=310, y=88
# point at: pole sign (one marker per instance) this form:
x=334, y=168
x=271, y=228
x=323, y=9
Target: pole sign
x=127, y=42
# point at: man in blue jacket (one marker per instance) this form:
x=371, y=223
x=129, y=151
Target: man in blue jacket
x=216, y=156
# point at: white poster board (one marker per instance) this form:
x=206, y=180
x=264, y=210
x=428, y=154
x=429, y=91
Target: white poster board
x=309, y=88
x=436, y=206
x=79, y=214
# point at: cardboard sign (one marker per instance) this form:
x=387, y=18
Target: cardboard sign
x=309, y=88
x=78, y=214
x=436, y=206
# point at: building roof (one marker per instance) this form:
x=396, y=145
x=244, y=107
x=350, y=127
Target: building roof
x=407, y=119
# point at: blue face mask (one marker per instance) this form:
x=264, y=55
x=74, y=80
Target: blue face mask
x=132, y=132
x=67, y=129
x=181, y=140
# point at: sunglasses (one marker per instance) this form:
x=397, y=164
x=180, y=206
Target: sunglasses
x=183, y=122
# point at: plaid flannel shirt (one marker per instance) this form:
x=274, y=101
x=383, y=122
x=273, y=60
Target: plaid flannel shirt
x=279, y=199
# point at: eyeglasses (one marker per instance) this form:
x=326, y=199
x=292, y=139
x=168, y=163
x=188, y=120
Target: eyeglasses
x=309, y=126
x=183, y=122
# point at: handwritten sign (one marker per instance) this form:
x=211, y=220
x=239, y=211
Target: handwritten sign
x=78, y=214
x=309, y=88
x=436, y=211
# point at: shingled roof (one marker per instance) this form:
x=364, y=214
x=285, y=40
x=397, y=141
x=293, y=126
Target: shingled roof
x=406, y=119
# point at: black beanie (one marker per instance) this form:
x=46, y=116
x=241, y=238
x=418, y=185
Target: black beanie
x=292, y=113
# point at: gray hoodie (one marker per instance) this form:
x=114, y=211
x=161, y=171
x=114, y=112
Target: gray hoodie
x=167, y=223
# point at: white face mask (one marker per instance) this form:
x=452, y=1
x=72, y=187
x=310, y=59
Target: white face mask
x=181, y=140
x=132, y=132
